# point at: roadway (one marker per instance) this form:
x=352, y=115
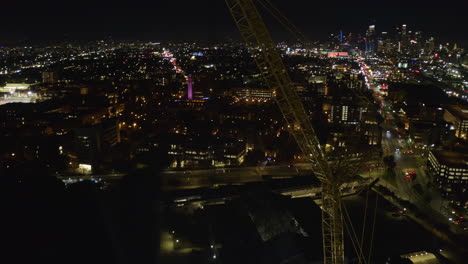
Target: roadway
x=192, y=179
x=408, y=159
x=207, y=178
x=396, y=143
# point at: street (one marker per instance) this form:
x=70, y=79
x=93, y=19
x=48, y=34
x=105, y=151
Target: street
x=410, y=162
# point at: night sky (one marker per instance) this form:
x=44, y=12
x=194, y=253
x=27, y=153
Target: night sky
x=209, y=19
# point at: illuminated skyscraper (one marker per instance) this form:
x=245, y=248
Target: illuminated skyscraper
x=371, y=39
x=430, y=45
x=371, y=30
x=190, y=87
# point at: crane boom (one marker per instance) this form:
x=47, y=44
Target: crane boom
x=258, y=40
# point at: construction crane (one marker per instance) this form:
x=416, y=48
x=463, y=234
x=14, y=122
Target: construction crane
x=345, y=163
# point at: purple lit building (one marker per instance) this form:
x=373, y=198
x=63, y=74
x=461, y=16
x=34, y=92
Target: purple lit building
x=190, y=87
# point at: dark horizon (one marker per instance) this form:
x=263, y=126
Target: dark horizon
x=211, y=21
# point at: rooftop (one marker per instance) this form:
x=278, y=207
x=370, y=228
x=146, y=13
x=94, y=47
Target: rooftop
x=458, y=110
x=452, y=158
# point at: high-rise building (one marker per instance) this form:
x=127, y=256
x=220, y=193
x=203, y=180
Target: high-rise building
x=371, y=30
x=404, y=40
x=450, y=174
x=371, y=39
x=430, y=45
x=382, y=43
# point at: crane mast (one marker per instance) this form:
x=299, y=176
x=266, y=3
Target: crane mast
x=263, y=49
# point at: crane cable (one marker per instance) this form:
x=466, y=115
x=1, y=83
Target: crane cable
x=353, y=236
x=365, y=218
x=283, y=20
x=373, y=229
x=353, y=243
x=358, y=247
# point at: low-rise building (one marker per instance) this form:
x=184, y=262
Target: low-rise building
x=253, y=94
x=189, y=151
x=91, y=141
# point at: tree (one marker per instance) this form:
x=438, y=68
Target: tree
x=400, y=124
x=389, y=161
x=253, y=157
x=418, y=188
x=390, y=176
x=401, y=95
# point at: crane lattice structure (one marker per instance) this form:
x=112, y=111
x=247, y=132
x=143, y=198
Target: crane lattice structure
x=344, y=163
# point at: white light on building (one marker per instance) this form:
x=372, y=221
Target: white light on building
x=85, y=168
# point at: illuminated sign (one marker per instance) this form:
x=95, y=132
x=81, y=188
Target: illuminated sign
x=334, y=54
